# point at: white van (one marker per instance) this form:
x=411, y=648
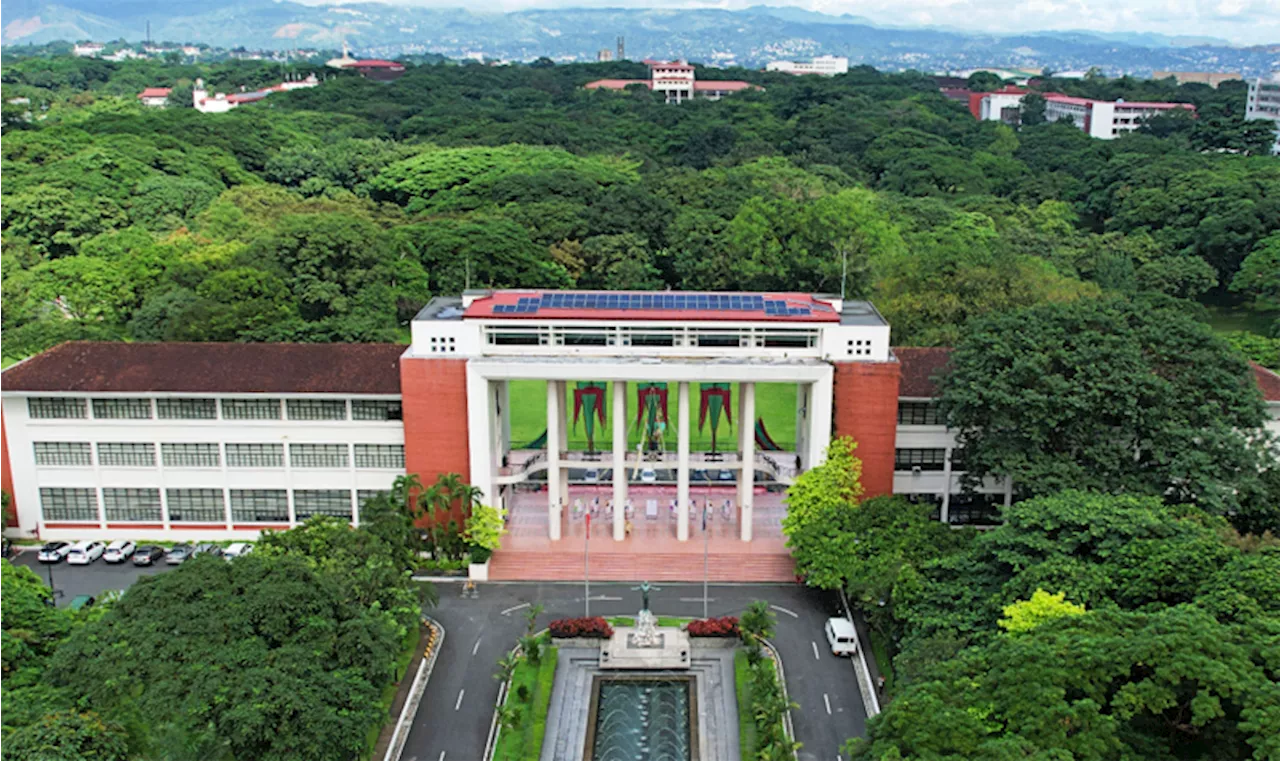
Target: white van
x=237, y=550
x=841, y=636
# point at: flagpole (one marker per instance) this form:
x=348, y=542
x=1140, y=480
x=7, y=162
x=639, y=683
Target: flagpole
x=586, y=570
x=705, y=543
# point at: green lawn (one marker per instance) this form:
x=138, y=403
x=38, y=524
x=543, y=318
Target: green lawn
x=662, y=621
x=742, y=687
x=775, y=402
x=525, y=743
x=880, y=651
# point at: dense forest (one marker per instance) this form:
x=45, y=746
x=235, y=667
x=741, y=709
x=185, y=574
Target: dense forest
x=333, y=214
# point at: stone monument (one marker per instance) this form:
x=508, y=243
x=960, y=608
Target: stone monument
x=646, y=645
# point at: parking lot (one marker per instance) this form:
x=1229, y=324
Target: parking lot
x=93, y=579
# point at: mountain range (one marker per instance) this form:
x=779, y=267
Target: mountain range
x=749, y=37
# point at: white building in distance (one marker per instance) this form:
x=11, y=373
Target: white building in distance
x=825, y=65
x=1263, y=102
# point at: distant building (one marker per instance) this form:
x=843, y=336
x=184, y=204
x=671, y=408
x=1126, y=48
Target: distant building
x=155, y=97
x=1263, y=102
x=377, y=69
x=125, y=54
x=676, y=80
x=88, y=49
x=603, y=55
x=1102, y=119
x=220, y=103
x=190, y=50
x=825, y=65
x=1211, y=78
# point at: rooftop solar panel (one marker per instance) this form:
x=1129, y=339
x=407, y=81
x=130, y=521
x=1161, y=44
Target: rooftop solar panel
x=700, y=302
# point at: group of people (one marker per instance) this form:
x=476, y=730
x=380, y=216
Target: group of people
x=595, y=509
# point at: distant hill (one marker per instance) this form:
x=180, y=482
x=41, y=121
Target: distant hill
x=749, y=37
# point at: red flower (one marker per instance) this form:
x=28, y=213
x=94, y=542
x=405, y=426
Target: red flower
x=725, y=626
x=595, y=627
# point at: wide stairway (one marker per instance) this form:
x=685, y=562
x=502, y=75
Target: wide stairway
x=523, y=565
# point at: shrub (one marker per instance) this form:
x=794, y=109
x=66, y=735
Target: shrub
x=595, y=627
x=724, y=626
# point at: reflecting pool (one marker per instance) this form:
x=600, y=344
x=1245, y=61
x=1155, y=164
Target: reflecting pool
x=642, y=719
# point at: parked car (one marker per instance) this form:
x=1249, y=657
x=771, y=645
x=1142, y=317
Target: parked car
x=841, y=636
x=649, y=476
x=727, y=475
x=591, y=476
x=6, y=547
x=177, y=554
x=53, y=552
x=237, y=550
x=80, y=602
x=85, y=553
x=147, y=554
x=207, y=549
x=119, y=551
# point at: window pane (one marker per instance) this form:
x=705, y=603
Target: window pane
x=187, y=409
x=63, y=453
x=190, y=455
x=255, y=455
x=251, y=409
x=924, y=459
x=364, y=495
x=317, y=409
x=69, y=504
x=918, y=413
x=388, y=456
x=132, y=504
x=196, y=506
x=318, y=455
x=56, y=407
x=376, y=409
x=259, y=506
x=122, y=409
x=129, y=455
x=309, y=502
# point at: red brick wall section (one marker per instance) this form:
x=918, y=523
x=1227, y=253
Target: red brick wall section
x=434, y=397
x=866, y=408
x=6, y=479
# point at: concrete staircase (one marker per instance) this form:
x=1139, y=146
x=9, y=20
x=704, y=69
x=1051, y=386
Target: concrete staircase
x=518, y=565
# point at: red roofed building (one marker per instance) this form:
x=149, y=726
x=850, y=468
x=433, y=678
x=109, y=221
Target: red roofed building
x=155, y=97
x=378, y=70
x=677, y=80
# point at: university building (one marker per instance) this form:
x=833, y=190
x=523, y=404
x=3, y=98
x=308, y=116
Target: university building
x=677, y=81
x=1102, y=119
x=189, y=441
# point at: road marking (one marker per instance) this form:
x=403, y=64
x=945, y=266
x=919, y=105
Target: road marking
x=696, y=599
x=607, y=598
x=458, y=705
x=816, y=657
x=825, y=700
x=514, y=608
x=784, y=610
x=442, y=757
x=476, y=647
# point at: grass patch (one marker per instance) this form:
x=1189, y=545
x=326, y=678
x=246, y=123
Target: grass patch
x=880, y=650
x=388, y=696
x=662, y=621
x=775, y=402
x=742, y=687
x=524, y=743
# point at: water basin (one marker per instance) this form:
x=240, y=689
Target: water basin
x=642, y=718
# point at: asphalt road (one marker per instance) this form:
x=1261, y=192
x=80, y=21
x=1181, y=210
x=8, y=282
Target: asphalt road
x=453, y=721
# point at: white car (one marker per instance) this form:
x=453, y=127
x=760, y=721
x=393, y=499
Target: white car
x=591, y=476
x=237, y=550
x=54, y=552
x=649, y=476
x=85, y=553
x=119, y=551
x=841, y=636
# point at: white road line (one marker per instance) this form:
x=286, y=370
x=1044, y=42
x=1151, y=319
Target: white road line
x=816, y=657
x=825, y=700
x=784, y=610
x=441, y=756
x=458, y=704
x=607, y=598
x=696, y=599
x=475, y=647
x=514, y=608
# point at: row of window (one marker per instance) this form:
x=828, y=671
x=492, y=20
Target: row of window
x=206, y=455
x=927, y=459
x=207, y=409
x=919, y=413
x=197, y=505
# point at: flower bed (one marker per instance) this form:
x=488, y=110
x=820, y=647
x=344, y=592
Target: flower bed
x=724, y=626
x=592, y=628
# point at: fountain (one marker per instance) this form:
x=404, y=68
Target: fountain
x=646, y=645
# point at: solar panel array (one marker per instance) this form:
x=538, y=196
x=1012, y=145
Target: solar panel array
x=667, y=302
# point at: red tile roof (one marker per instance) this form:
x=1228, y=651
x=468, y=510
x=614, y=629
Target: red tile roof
x=155, y=92
x=1268, y=382
x=920, y=366
x=210, y=368
x=723, y=85
x=376, y=63
x=614, y=84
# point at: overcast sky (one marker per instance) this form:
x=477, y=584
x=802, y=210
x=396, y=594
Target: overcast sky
x=1247, y=22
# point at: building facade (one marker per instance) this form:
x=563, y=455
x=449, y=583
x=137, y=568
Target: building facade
x=155, y=97
x=218, y=441
x=825, y=65
x=677, y=81
x=1211, y=78
x=1103, y=119
x=1263, y=102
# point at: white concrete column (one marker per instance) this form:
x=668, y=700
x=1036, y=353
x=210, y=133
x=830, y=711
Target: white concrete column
x=682, y=464
x=1008, y=491
x=554, y=495
x=504, y=403
x=480, y=432
x=802, y=423
x=619, y=459
x=563, y=387
x=820, y=412
x=944, y=512
x=746, y=482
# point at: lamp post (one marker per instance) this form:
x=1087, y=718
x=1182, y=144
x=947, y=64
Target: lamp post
x=586, y=567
